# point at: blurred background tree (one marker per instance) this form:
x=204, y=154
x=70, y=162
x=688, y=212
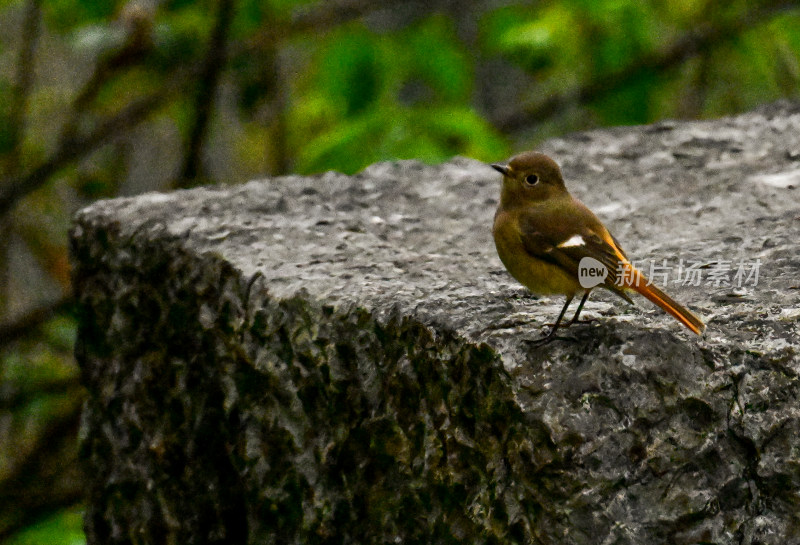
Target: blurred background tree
x=102, y=99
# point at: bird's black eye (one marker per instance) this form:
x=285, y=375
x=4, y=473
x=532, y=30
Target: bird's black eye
x=531, y=179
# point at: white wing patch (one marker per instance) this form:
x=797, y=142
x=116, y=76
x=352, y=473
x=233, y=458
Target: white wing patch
x=574, y=240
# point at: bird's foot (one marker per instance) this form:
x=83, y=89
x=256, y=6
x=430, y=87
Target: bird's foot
x=550, y=337
x=547, y=339
x=584, y=321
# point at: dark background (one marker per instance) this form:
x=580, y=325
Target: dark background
x=102, y=99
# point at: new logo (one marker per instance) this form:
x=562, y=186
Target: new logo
x=591, y=272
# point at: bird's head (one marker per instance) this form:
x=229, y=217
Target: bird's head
x=530, y=177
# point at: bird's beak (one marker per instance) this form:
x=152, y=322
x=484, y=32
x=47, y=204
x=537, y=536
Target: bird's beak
x=502, y=169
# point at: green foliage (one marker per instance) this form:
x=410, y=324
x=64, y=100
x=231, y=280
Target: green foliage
x=572, y=44
x=182, y=32
x=639, y=92
x=177, y=5
x=533, y=38
x=60, y=334
x=250, y=17
x=436, y=58
x=35, y=363
x=65, y=528
x=427, y=134
x=350, y=72
x=354, y=95
x=785, y=33
x=377, y=97
x=65, y=15
x=259, y=16
x=622, y=33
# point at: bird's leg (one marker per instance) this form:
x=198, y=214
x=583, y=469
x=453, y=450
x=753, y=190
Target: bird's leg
x=578, y=312
x=552, y=335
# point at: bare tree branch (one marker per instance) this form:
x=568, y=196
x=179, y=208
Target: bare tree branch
x=204, y=98
x=15, y=398
x=327, y=14
x=24, y=80
x=276, y=92
x=79, y=147
x=16, y=329
x=138, y=25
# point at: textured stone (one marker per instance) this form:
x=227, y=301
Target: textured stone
x=337, y=359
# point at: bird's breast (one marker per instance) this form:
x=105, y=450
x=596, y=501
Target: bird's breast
x=538, y=275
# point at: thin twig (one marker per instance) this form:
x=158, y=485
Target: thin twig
x=318, y=19
x=18, y=328
x=15, y=398
x=138, y=43
x=204, y=98
x=73, y=149
x=23, y=82
x=77, y=148
x=326, y=14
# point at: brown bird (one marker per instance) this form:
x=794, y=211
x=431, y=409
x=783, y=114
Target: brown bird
x=552, y=244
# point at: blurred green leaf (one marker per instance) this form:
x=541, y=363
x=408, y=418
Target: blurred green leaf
x=755, y=56
x=630, y=105
x=176, y=5
x=682, y=11
x=428, y=134
x=64, y=528
x=401, y=95
x=181, y=33
x=785, y=31
x=249, y=17
x=787, y=28
x=536, y=39
x=35, y=364
x=181, y=114
x=254, y=16
x=350, y=71
x=345, y=147
x=291, y=6
x=65, y=15
x=254, y=79
x=438, y=58
x=496, y=25
x=626, y=33
x=60, y=332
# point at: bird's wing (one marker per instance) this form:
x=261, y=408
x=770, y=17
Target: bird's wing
x=617, y=245
x=565, y=247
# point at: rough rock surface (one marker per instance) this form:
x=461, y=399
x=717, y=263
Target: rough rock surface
x=339, y=359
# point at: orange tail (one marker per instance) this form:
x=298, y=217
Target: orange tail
x=682, y=314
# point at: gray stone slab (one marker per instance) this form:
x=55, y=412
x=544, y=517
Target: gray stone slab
x=343, y=359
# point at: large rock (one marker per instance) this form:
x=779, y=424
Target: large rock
x=343, y=359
